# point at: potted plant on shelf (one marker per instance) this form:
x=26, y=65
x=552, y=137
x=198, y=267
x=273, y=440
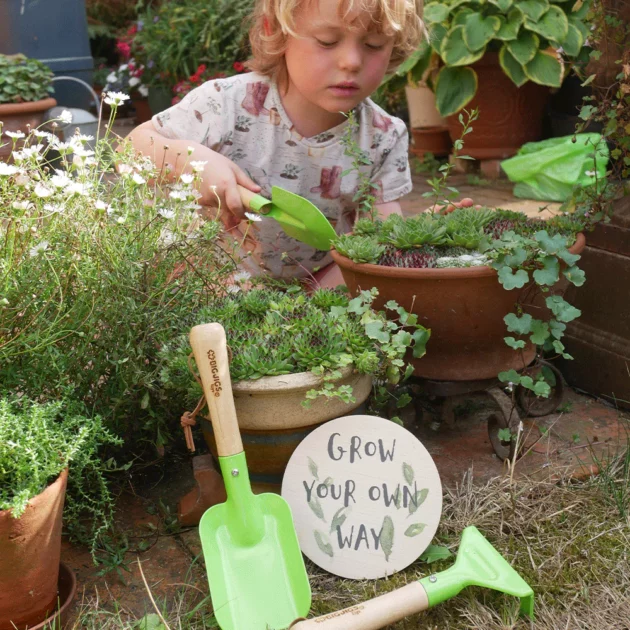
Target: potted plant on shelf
x=45, y=448
x=25, y=88
x=471, y=275
x=501, y=57
x=127, y=78
x=298, y=360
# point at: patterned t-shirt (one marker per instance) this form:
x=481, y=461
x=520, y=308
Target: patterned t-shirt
x=242, y=118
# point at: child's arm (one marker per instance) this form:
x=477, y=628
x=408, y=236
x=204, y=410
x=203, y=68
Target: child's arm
x=385, y=209
x=219, y=171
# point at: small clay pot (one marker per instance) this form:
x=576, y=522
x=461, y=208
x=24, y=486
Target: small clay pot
x=434, y=140
x=19, y=117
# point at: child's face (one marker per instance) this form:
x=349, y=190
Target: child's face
x=332, y=66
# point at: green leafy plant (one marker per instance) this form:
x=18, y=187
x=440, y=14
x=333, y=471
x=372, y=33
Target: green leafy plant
x=101, y=259
x=37, y=442
x=272, y=332
x=177, y=37
x=526, y=35
x=23, y=80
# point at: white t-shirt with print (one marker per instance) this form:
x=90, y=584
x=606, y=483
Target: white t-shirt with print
x=242, y=118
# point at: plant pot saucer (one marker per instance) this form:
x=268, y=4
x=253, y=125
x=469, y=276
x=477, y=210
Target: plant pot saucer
x=67, y=590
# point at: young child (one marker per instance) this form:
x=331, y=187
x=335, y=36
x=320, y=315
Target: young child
x=281, y=124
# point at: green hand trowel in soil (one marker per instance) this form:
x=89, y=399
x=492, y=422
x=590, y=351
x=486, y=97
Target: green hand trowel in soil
x=478, y=563
x=297, y=216
x=255, y=567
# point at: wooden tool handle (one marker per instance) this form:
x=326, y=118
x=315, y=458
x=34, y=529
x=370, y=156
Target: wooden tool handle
x=210, y=350
x=374, y=614
x=246, y=196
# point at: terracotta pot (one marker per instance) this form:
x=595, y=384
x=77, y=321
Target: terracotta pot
x=463, y=307
x=509, y=116
x=66, y=592
x=143, y=111
x=30, y=550
x=273, y=420
x=18, y=117
x=422, y=109
x=434, y=140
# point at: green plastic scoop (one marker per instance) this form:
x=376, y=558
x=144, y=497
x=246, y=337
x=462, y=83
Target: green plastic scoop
x=255, y=568
x=478, y=563
x=297, y=216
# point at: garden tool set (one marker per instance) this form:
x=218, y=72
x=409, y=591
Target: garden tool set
x=255, y=567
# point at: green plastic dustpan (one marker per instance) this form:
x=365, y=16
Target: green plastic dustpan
x=478, y=563
x=255, y=568
x=297, y=216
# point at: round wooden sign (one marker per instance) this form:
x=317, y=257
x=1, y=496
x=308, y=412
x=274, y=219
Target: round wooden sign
x=366, y=496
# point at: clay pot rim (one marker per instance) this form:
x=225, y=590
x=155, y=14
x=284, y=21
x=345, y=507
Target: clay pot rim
x=444, y=273
x=50, y=488
x=28, y=107
x=300, y=381
x=66, y=603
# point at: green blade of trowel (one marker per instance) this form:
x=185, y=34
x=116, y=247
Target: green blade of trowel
x=297, y=216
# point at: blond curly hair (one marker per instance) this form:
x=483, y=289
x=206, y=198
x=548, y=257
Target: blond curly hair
x=273, y=21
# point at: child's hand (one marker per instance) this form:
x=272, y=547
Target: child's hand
x=221, y=178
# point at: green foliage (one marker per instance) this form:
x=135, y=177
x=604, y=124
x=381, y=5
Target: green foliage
x=23, y=80
x=522, y=32
x=37, y=442
x=178, y=36
x=360, y=248
x=271, y=332
x=96, y=272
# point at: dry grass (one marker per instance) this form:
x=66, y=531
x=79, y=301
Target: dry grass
x=568, y=540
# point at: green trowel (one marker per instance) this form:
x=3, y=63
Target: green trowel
x=297, y=216
x=478, y=563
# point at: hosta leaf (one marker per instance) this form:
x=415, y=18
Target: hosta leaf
x=480, y=30
x=454, y=89
x=550, y=272
x=502, y=5
x=437, y=33
x=524, y=47
x=575, y=275
x=418, y=61
x=414, y=529
x=553, y=25
x=545, y=69
x=534, y=9
x=454, y=50
x=461, y=16
x=573, y=42
x=512, y=68
x=510, y=27
x=323, y=543
x=581, y=8
x=579, y=24
x=511, y=280
x=387, y=537
x=561, y=309
x=520, y=325
x=435, y=12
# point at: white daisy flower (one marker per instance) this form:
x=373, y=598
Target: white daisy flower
x=242, y=276
x=191, y=150
x=79, y=188
x=100, y=205
x=54, y=208
x=138, y=179
x=253, y=217
x=116, y=98
x=187, y=178
x=123, y=67
x=233, y=288
x=41, y=134
x=134, y=81
x=177, y=194
x=38, y=249
x=65, y=116
x=144, y=91
x=166, y=213
x=198, y=165
x=61, y=180
x=7, y=169
x=112, y=77
x=16, y=135
x=82, y=138
x=22, y=205
x=124, y=169
x=43, y=191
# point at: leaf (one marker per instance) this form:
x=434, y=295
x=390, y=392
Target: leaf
x=454, y=89
x=461, y=16
x=540, y=332
x=323, y=543
x=435, y=12
x=575, y=275
x=511, y=376
x=435, y=552
x=511, y=280
x=414, y=529
x=553, y=25
x=480, y=30
x=545, y=69
x=403, y=401
x=524, y=47
x=562, y=310
x=502, y=5
x=521, y=325
x=513, y=343
x=557, y=328
x=505, y=435
x=317, y=508
x=374, y=330
x=510, y=27
x=408, y=473
x=454, y=50
x=550, y=272
x=150, y=622
x=573, y=42
x=387, y=537
x=512, y=68
x=419, y=499
x=542, y=389
x=312, y=466
x=533, y=9
x=420, y=338
x=338, y=519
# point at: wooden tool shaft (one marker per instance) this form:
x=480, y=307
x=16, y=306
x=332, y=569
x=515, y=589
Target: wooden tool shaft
x=210, y=350
x=246, y=195
x=373, y=614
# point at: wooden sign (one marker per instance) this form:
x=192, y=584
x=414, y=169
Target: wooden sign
x=366, y=496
